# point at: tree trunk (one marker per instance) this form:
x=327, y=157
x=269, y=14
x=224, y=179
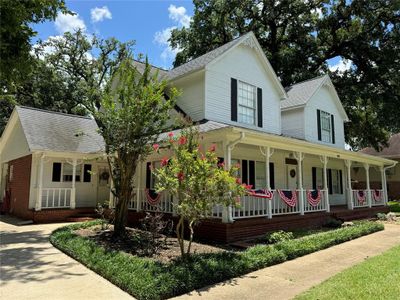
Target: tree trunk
x=179, y=235
x=121, y=211
x=191, y=237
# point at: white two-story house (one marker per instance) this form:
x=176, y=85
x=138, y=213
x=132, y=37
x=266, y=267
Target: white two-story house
x=288, y=141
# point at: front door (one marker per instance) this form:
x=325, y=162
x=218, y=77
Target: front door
x=291, y=175
x=103, y=183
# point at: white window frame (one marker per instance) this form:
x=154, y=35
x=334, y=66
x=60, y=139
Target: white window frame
x=243, y=103
x=326, y=126
x=76, y=173
x=335, y=182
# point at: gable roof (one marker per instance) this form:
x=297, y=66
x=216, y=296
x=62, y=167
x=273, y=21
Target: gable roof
x=391, y=151
x=52, y=131
x=300, y=93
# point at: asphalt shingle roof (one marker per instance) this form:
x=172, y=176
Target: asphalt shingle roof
x=300, y=93
x=52, y=131
x=393, y=149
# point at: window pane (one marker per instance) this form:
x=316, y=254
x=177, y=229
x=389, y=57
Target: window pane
x=246, y=103
x=326, y=127
x=68, y=170
x=87, y=176
x=260, y=175
x=56, y=176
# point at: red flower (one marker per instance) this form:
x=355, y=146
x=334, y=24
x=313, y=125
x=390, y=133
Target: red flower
x=212, y=148
x=238, y=180
x=171, y=134
x=247, y=186
x=180, y=176
x=182, y=140
x=156, y=147
x=164, y=162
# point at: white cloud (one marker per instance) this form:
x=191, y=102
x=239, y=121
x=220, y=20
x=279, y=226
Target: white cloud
x=178, y=14
x=66, y=22
x=162, y=37
x=98, y=14
x=342, y=66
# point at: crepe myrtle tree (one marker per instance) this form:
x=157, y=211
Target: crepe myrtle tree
x=197, y=180
x=133, y=112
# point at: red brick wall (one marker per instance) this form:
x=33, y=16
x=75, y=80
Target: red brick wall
x=56, y=215
x=20, y=186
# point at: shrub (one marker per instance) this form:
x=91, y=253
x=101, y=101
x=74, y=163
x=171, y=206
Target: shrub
x=381, y=216
x=333, y=223
x=279, y=236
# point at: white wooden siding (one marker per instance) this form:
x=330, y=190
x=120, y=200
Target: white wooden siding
x=16, y=146
x=293, y=123
x=191, y=101
x=241, y=63
x=323, y=100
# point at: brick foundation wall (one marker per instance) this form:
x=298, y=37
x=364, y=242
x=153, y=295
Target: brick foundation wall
x=57, y=215
x=20, y=187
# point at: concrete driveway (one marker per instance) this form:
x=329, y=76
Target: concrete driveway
x=31, y=268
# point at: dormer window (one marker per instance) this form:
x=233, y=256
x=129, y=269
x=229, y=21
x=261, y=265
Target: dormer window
x=247, y=103
x=326, y=129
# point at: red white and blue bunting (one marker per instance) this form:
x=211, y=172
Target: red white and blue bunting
x=261, y=193
x=361, y=196
x=377, y=195
x=289, y=197
x=152, y=197
x=314, y=197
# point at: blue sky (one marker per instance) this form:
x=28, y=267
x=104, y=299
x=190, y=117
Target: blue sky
x=147, y=22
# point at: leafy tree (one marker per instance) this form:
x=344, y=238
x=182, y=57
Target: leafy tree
x=16, y=19
x=300, y=36
x=197, y=181
x=69, y=74
x=134, y=111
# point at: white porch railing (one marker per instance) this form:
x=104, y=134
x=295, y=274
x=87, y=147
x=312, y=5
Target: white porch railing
x=359, y=201
x=56, y=197
x=377, y=197
x=320, y=206
x=164, y=205
x=281, y=208
x=251, y=207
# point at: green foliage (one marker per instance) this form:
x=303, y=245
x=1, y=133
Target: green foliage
x=394, y=206
x=333, y=223
x=196, y=180
x=146, y=279
x=279, y=236
x=381, y=216
x=134, y=111
x=365, y=32
x=16, y=20
x=375, y=278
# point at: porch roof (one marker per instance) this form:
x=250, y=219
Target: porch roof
x=52, y=131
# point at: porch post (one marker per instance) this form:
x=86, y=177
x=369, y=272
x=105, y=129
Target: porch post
x=73, y=192
x=326, y=193
x=38, y=204
x=138, y=189
x=267, y=152
x=384, y=186
x=369, y=199
x=299, y=157
x=350, y=192
x=227, y=211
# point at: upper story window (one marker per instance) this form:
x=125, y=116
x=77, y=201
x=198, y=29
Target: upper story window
x=326, y=128
x=247, y=95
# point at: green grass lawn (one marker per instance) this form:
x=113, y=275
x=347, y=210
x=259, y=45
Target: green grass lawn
x=144, y=278
x=374, y=279
x=394, y=206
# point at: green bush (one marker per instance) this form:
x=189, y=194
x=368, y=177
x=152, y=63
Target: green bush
x=394, y=206
x=333, y=223
x=147, y=279
x=279, y=236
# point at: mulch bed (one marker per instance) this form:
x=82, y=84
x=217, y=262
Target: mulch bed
x=140, y=243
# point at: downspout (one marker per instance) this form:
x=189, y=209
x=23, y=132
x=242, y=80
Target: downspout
x=385, y=183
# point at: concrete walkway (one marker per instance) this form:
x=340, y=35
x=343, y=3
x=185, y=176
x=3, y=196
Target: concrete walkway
x=286, y=280
x=31, y=268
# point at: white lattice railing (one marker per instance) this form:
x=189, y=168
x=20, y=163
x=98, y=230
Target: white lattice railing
x=56, y=197
x=358, y=200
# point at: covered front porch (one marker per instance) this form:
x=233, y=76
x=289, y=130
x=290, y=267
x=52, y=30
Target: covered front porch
x=288, y=177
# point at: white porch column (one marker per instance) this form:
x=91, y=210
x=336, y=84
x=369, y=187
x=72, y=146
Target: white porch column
x=350, y=204
x=38, y=204
x=227, y=210
x=299, y=157
x=326, y=192
x=267, y=152
x=369, y=199
x=384, y=183
x=383, y=187
x=73, y=192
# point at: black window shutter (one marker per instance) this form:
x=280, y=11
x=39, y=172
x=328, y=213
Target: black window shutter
x=333, y=128
x=244, y=171
x=56, y=175
x=233, y=99
x=252, y=173
x=87, y=176
x=319, y=124
x=330, y=181
x=341, y=181
x=148, y=175
x=271, y=175
x=259, y=108
x=314, y=178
